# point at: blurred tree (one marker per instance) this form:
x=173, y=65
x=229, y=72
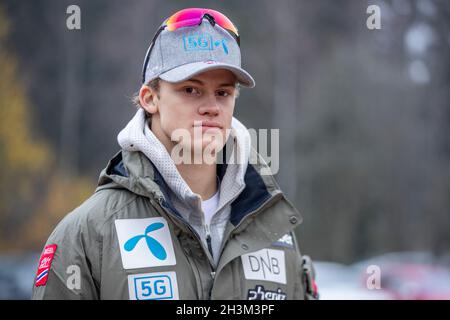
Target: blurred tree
x=33, y=197
x=23, y=158
x=373, y=177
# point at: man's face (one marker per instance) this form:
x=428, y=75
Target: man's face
x=201, y=106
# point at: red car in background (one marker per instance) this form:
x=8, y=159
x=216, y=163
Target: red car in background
x=410, y=275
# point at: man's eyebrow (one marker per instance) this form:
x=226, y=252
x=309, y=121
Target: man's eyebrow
x=227, y=84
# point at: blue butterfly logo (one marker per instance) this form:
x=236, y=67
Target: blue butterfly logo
x=153, y=245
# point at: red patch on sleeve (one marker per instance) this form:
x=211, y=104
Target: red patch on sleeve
x=45, y=262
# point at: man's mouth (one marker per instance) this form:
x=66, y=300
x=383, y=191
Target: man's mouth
x=206, y=125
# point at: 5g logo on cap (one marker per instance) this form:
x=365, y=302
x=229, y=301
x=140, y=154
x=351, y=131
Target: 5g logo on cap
x=200, y=42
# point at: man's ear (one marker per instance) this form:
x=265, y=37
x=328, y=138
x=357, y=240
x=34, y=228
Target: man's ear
x=148, y=99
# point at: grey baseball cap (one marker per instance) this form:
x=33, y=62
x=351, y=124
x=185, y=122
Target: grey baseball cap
x=185, y=52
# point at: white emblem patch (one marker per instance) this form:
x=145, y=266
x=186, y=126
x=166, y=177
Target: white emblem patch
x=285, y=241
x=265, y=264
x=153, y=286
x=145, y=243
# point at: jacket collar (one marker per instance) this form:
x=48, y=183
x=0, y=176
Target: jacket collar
x=132, y=170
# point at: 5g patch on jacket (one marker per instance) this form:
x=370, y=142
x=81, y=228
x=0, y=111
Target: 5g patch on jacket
x=153, y=286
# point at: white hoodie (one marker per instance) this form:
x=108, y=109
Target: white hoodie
x=137, y=136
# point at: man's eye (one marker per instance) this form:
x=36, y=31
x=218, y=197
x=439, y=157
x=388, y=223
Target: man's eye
x=191, y=90
x=223, y=93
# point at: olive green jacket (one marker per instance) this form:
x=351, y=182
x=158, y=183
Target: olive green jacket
x=127, y=241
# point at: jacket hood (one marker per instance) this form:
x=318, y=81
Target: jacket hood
x=133, y=171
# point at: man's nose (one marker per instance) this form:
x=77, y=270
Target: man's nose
x=210, y=106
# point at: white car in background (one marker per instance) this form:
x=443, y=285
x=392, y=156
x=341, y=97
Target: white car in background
x=337, y=281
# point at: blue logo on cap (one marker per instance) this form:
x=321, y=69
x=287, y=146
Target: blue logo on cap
x=203, y=42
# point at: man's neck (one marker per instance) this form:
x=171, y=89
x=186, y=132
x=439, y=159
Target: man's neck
x=201, y=178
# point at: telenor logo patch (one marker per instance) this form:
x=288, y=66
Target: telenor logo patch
x=145, y=243
x=153, y=245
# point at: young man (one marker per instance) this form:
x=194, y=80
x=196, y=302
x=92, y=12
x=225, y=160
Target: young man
x=163, y=225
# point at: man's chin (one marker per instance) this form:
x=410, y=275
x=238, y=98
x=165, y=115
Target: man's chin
x=203, y=151
x=207, y=147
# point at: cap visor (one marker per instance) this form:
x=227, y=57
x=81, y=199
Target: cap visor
x=187, y=71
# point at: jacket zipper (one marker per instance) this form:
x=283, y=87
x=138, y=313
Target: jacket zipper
x=196, y=235
x=208, y=239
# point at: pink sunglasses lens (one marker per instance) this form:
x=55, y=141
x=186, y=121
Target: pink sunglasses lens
x=184, y=18
x=191, y=17
x=222, y=20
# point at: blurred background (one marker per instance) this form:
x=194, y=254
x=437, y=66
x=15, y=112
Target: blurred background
x=364, y=119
